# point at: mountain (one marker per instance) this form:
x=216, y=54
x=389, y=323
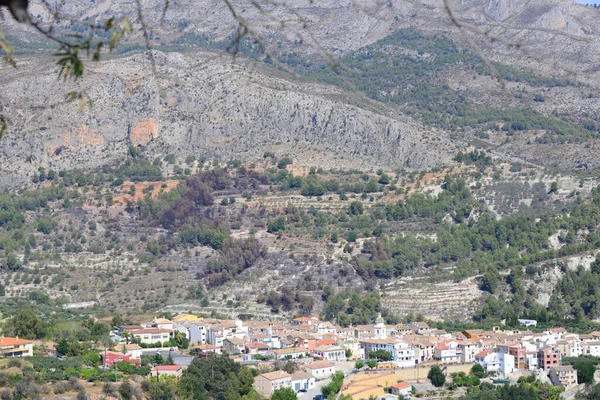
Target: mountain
x=545, y=51
x=204, y=107
x=446, y=168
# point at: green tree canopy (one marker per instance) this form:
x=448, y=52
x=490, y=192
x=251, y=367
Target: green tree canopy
x=436, y=376
x=284, y=394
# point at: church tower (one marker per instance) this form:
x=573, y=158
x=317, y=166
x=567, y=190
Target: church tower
x=380, y=329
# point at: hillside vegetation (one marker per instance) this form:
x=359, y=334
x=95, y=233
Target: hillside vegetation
x=201, y=225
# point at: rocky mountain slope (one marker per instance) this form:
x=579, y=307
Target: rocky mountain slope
x=195, y=105
x=205, y=105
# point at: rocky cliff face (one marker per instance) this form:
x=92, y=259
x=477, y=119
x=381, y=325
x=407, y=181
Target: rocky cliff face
x=199, y=106
x=234, y=111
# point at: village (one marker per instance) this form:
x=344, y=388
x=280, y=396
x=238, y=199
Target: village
x=377, y=361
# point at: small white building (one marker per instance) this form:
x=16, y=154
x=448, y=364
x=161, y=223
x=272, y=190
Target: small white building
x=167, y=370
x=152, y=335
x=330, y=353
x=591, y=348
x=527, y=322
x=401, y=389
x=303, y=380
x=321, y=370
x=494, y=361
x=291, y=353
x=133, y=349
x=446, y=352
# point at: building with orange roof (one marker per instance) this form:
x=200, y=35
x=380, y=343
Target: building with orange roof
x=401, y=389
x=326, y=342
x=446, y=352
x=15, y=347
x=167, y=370
x=207, y=348
x=473, y=333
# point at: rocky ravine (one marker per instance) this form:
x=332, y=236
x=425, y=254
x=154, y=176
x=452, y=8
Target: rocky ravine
x=200, y=106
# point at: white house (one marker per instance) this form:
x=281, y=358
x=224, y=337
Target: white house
x=167, y=370
x=303, y=381
x=290, y=353
x=446, y=352
x=330, y=353
x=321, y=370
x=591, y=348
x=494, y=361
x=402, y=352
x=133, y=349
x=152, y=335
x=226, y=329
x=468, y=349
x=401, y=389
x=15, y=347
x=527, y=322
x=197, y=332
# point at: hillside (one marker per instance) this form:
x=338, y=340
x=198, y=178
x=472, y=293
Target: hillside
x=409, y=84
x=222, y=110
x=433, y=173
x=273, y=238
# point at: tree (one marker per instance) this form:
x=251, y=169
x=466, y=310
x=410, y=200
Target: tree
x=161, y=390
x=372, y=364
x=284, y=394
x=126, y=390
x=218, y=377
x=490, y=280
x=169, y=360
x=117, y=320
x=585, y=369
x=348, y=353
x=381, y=355
x=26, y=324
x=359, y=364
x=477, y=370
x=356, y=208
x=276, y=225
x=246, y=380
x=436, y=376
x=62, y=347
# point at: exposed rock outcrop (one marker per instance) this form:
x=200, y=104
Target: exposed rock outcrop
x=222, y=110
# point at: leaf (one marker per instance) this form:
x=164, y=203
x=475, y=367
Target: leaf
x=113, y=40
x=3, y=127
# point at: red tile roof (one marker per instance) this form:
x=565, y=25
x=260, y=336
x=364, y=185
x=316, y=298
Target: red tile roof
x=401, y=385
x=9, y=341
x=483, y=353
x=207, y=347
x=167, y=368
x=259, y=345
x=326, y=341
